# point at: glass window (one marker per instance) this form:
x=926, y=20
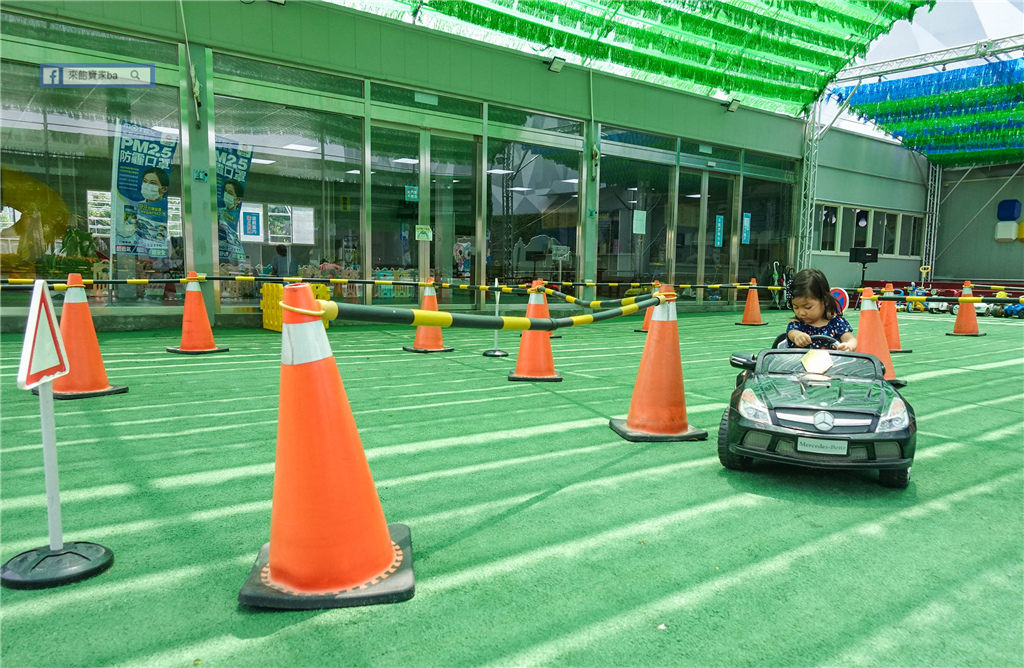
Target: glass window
x=395, y=201
x=256, y=70
x=453, y=214
x=529, y=119
x=770, y=161
x=533, y=213
x=136, y=50
x=883, y=232
x=632, y=222
x=64, y=151
x=855, y=228
x=688, y=231
x=764, y=249
x=426, y=101
x=287, y=180
x=911, y=231
x=626, y=136
x=706, y=151
x=825, y=228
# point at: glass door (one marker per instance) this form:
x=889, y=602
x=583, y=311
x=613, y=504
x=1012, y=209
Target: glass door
x=718, y=231
x=688, y=232
x=453, y=215
x=394, y=212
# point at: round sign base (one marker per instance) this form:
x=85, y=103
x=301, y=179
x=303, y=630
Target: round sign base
x=42, y=567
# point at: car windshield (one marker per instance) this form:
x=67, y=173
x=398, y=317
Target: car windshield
x=788, y=363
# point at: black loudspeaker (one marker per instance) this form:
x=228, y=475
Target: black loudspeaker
x=863, y=254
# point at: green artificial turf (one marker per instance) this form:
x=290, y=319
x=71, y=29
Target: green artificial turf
x=539, y=536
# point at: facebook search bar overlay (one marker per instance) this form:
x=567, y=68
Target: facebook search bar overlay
x=101, y=75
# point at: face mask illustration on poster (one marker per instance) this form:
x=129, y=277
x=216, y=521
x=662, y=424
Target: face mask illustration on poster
x=233, y=161
x=141, y=178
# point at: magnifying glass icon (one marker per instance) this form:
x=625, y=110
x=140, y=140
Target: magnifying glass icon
x=135, y=75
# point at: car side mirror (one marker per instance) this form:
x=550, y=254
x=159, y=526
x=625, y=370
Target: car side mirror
x=742, y=361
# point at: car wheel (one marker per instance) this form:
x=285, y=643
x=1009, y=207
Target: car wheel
x=895, y=478
x=730, y=460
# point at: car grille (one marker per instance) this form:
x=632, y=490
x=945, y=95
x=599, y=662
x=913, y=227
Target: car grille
x=757, y=440
x=803, y=419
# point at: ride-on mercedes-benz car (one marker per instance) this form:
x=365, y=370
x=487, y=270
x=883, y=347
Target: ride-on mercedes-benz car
x=819, y=408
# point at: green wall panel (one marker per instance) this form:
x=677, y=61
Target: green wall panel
x=976, y=254
x=854, y=169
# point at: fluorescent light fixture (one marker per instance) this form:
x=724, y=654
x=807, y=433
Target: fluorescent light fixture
x=301, y=147
x=632, y=201
x=575, y=195
x=261, y=161
x=520, y=189
x=499, y=171
x=170, y=131
x=555, y=64
x=352, y=171
x=407, y=161
x=632, y=188
x=694, y=195
x=570, y=180
x=455, y=180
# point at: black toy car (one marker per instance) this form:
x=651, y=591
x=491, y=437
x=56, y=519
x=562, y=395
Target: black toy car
x=847, y=417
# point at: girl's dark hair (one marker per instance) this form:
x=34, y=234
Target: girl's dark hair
x=812, y=283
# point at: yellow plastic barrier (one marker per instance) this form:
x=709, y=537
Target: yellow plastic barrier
x=270, y=303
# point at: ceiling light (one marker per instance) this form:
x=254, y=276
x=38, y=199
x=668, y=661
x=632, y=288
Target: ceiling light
x=261, y=161
x=407, y=161
x=455, y=180
x=555, y=64
x=354, y=171
x=632, y=201
x=570, y=180
x=170, y=131
x=520, y=189
x=632, y=189
x=499, y=171
x=301, y=147
x=696, y=195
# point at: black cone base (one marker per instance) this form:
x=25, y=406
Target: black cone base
x=957, y=334
x=896, y=382
x=42, y=567
x=196, y=352
x=399, y=586
x=902, y=350
x=557, y=378
x=113, y=389
x=410, y=349
x=640, y=331
x=620, y=428
x=555, y=336
x=752, y=324
x=494, y=352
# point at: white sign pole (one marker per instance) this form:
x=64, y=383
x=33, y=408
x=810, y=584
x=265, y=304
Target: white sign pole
x=50, y=466
x=497, y=299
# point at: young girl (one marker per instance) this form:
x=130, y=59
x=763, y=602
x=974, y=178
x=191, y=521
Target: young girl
x=817, y=313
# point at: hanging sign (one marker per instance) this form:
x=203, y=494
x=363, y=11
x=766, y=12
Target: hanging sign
x=412, y=194
x=42, y=355
x=233, y=162
x=719, y=230
x=745, y=238
x=140, y=179
x=424, y=233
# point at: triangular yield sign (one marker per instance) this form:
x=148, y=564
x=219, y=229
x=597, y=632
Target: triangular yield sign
x=42, y=355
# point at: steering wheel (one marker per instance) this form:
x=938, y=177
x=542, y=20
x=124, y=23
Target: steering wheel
x=784, y=338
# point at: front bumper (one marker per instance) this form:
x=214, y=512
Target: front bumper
x=887, y=450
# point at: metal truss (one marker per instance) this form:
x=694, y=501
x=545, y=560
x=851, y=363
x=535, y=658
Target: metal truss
x=984, y=49
x=808, y=187
x=931, y=220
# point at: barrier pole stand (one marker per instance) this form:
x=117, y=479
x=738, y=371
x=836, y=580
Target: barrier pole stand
x=495, y=352
x=53, y=521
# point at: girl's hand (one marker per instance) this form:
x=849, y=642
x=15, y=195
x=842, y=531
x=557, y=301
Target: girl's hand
x=848, y=346
x=799, y=339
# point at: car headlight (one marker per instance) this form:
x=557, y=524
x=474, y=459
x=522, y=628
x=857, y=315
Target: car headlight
x=753, y=408
x=895, y=418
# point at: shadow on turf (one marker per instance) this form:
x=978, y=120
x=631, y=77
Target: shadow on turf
x=818, y=487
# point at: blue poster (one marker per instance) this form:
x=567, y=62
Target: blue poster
x=233, y=160
x=251, y=224
x=746, y=229
x=719, y=230
x=140, y=181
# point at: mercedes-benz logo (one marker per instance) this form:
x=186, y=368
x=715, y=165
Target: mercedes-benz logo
x=824, y=421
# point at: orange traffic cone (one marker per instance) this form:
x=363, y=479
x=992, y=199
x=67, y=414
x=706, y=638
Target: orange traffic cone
x=428, y=339
x=330, y=545
x=535, y=361
x=887, y=312
x=966, y=319
x=658, y=409
x=650, y=311
x=752, y=311
x=196, y=335
x=871, y=336
x=88, y=377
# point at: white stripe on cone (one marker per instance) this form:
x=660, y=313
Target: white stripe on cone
x=536, y=298
x=192, y=286
x=429, y=292
x=304, y=342
x=868, y=305
x=665, y=312
x=75, y=295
